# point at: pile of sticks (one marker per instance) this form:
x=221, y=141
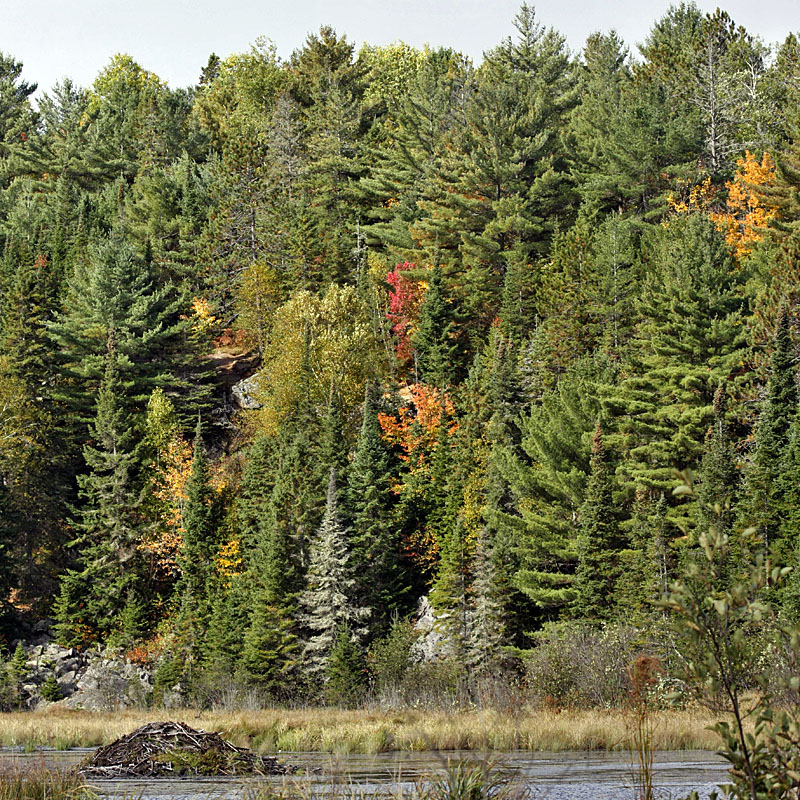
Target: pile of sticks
x=146, y=753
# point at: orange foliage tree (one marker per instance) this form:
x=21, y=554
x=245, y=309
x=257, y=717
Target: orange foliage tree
x=746, y=212
x=415, y=430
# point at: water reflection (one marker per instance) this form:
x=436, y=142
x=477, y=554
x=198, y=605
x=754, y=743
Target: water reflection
x=552, y=776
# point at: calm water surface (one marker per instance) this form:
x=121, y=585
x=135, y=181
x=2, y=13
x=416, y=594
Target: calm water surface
x=552, y=776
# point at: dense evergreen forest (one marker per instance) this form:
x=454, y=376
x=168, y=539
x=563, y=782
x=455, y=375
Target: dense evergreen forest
x=484, y=314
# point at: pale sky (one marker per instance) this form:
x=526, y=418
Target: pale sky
x=173, y=38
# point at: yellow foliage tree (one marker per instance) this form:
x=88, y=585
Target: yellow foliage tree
x=343, y=353
x=257, y=299
x=169, y=471
x=748, y=212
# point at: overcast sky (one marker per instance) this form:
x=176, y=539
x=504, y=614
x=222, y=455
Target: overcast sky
x=76, y=38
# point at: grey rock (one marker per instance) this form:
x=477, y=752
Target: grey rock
x=433, y=642
x=244, y=393
x=67, y=665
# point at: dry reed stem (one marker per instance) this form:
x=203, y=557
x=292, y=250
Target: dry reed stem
x=332, y=730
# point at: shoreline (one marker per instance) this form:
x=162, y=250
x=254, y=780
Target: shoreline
x=370, y=731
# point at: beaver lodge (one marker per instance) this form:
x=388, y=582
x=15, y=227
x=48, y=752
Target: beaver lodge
x=171, y=749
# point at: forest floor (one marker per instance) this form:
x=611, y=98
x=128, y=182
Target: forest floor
x=365, y=731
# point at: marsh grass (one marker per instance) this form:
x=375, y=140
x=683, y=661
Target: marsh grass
x=40, y=783
x=344, y=732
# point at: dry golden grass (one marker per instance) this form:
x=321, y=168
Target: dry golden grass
x=332, y=730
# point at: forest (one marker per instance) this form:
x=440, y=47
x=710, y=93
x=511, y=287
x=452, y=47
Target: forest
x=481, y=322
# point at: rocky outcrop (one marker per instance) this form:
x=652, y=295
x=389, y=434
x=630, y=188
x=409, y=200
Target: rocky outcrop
x=95, y=680
x=433, y=642
x=245, y=393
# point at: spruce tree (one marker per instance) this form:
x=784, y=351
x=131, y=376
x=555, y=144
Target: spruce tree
x=646, y=566
x=487, y=613
x=377, y=546
x=346, y=671
x=200, y=541
x=270, y=650
x=228, y=621
x=433, y=339
x=93, y=594
x=330, y=601
x=786, y=548
x=599, y=541
x=450, y=592
x=719, y=477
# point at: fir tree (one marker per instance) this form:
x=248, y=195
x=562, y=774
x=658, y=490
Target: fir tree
x=761, y=506
x=433, y=339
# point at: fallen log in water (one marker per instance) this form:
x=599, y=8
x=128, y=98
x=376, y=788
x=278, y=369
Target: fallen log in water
x=172, y=749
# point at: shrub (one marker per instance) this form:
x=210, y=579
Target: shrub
x=578, y=664
x=51, y=690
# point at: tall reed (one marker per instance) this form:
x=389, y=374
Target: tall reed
x=40, y=783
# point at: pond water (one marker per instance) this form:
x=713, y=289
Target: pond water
x=551, y=776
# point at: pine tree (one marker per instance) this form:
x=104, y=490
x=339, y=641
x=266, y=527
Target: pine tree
x=599, y=541
x=93, y=594
x=329, y=601
x=603, y=78
x=547, y=478
x=155, y=348
x=663, y=406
